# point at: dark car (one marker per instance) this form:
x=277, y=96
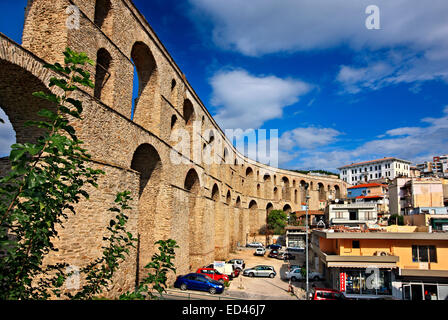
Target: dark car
x=274, y=247
x=196, y=281
x=273, y=254
x=288, y=256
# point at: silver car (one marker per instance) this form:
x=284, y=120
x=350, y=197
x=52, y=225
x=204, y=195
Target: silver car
x=260, y=271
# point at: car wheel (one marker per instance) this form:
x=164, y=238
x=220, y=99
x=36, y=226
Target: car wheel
x=212, y=290
x=293, y=279
x=251, y=275
x=271, y=275
x=183, y=287
x=316, y=278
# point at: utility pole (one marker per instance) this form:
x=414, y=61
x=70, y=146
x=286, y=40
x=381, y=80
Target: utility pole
x=306, y=241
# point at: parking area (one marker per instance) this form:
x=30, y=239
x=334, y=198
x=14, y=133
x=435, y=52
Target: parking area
x=266, y=288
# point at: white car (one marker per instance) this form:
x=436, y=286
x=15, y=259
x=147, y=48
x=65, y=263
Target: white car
x=260, y=252
x=254, y=245
x=296, y=275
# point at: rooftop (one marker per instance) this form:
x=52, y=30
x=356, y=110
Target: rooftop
x=368, y=185
x=373, y=161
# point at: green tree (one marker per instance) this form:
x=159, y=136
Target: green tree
x=277, y=221
x=396, y=219
x=46, y=180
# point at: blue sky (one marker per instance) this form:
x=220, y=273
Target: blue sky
x=336, y=91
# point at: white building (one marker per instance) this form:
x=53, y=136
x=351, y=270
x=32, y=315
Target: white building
x=386, y=168
x=352, y=214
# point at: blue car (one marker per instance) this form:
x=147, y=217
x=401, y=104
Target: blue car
x=274, y=247
x=196, y=281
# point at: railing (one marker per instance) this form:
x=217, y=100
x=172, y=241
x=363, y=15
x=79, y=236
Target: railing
x=188, y=295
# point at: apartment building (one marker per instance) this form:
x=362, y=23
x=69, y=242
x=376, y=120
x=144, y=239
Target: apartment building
x=371, y=192
x=398, y=262
x=385, y=169
x=437, y=168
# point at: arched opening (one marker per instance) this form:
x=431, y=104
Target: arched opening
x=173, y=122
x=276, y=196
x=337, y=192
x=258, y=190
x=103, y=77
x=287, y=209
x=174, y=92
x=145, y=90
x=286, y=192
x=147, y=162
x=215, y=193
x=188, y=112
x=103, y=16
x=303, y=191
x=195, y=243
x=228, y=198
x=19, y=106
x=267, y=186
x=322, y=193
x=253, y=218
x=296, y=196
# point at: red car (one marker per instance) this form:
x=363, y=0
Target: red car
x=214, y=274
x=326, y=294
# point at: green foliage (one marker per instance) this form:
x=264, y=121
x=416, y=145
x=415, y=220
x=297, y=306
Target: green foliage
x=155, y=283
x=277, y=221
x=47, y=179
x=396, y=219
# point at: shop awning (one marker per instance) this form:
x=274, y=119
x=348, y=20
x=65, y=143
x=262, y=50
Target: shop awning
x=361, y=265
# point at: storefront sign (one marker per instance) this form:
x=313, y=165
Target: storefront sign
x=342, y=281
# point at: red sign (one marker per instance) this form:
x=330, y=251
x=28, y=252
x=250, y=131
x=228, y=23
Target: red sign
x=342, y=279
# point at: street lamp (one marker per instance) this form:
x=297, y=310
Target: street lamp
x=306, y=239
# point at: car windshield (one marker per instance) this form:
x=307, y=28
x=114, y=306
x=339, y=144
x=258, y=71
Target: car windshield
x=208, y=278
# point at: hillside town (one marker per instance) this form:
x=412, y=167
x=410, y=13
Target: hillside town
x=394, y=219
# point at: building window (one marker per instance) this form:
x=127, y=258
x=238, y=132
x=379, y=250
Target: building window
x=353, y=215
x=424, y=254
x=355, y=244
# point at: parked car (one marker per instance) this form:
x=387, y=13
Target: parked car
x=280, y=255
x=288, y=256
x=255, y=245
x=273, y=254
x=238, y=264
x=260, y=271
x=228, y=269
x=296, y=275
x=260, y=252
x=214, y=274
x=274, y=247
x=326, y=294
x=197, y=281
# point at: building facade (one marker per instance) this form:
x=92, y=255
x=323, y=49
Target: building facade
x=351, y=214
x=380, y=169
x=403, y=263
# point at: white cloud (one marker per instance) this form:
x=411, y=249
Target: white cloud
x=411, y=143
x=411, y=46
x=247, y=101
x=7, y=135
x=308, y=138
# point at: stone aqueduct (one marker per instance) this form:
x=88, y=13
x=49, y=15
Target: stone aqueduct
x=207, y=209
